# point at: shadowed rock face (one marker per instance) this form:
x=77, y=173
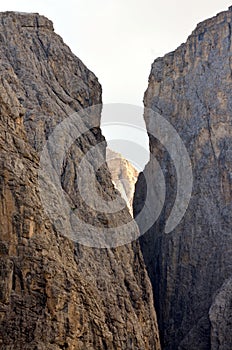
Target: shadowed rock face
x=55, y=294
x=191, y=267
x=220, y=315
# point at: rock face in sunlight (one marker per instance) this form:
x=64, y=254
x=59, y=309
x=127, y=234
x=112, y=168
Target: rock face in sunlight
x=57, y=294
x=124, y=176
x=191, y=267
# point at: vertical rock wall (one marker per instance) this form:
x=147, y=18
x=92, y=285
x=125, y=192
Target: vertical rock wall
x=54, y=293
x=190, y=267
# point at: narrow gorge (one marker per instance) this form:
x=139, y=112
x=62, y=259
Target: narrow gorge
x=164, y=290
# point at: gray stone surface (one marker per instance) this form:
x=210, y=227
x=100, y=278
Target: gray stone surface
x=55, y=294
x=220, y=315
x=191, y=88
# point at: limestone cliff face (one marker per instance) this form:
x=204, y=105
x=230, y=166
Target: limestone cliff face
x=191, y=267
x=54, y=293
x=124, y=176
x=221, y=317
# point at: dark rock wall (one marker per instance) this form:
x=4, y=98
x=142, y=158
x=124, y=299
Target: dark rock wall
x=191, y=267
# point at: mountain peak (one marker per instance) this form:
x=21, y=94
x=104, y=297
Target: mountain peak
x=24, y=19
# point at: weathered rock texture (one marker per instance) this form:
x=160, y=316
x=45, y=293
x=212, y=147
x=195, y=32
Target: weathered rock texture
x=56, y=294
x=124, y=176
x=191, y=88
x=220, y=315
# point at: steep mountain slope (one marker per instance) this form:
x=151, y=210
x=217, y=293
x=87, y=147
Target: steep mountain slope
x=55, y=293
x=191, y=267
x=124, y=176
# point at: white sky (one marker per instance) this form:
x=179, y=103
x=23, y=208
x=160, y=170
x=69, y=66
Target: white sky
x=119, y=39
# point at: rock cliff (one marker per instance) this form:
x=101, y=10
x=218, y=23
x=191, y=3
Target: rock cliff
x=124, y=176
x=191, y=267
x=55, y=293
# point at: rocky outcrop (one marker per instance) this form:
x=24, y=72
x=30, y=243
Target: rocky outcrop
x=191, y=89
x=220, y=315
x=124, y=176
x=55, y=293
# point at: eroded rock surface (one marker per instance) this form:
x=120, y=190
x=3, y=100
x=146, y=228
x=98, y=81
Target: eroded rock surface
x=191, y=89
x=124, y=176
x=57, y=294
x=220, y=315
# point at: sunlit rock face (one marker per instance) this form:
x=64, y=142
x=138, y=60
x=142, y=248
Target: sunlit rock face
x=124, y=176
x=55, y=293
x=191, y=267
